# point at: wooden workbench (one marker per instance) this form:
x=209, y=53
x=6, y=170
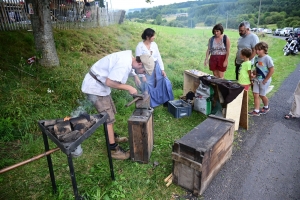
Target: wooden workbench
x=236, y=110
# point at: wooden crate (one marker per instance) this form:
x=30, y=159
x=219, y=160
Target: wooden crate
x=199, y=155
x=140, y=128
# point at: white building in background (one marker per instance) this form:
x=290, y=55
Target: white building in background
x=182, y=15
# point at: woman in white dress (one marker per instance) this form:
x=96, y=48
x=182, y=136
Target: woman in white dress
x=157, y=85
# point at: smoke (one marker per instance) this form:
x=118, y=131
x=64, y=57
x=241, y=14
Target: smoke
x=85, y=106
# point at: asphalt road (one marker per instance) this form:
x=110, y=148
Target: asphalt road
x=266, y=166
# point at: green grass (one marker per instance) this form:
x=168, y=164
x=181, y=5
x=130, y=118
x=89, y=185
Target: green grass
x=24, y=100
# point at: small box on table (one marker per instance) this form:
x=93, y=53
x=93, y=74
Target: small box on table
x=179, y=108
x=140, y=128
x=199, y=155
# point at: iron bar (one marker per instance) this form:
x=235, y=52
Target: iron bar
x=50, y=165
x=108, y=152
x=29, y=160
x=73, y=178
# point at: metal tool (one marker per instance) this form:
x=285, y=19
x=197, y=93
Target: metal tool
x=141, y=101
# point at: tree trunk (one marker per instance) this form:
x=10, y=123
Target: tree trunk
x=43, y=33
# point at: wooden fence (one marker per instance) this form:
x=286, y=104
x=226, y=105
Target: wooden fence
x=65, y=14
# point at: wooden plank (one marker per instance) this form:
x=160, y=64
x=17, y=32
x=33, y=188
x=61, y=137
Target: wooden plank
x=183, y=176
x=233, y=110
x=186, y=161
x=191, y=80
x=209, y=178
x=244, y=112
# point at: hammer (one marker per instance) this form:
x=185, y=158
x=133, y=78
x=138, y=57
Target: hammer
x=136, y=97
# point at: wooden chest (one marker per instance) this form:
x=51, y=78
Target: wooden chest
x=199, y=155
x=140, y=128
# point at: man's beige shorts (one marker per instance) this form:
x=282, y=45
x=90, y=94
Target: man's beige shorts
x=104, y=104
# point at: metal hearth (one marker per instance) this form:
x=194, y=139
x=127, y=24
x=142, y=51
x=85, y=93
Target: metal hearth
x=68, y=148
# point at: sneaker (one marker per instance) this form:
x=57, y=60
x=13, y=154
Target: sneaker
x=119, y=139
x=264, y=110
x=254, y=113
x=119, y=154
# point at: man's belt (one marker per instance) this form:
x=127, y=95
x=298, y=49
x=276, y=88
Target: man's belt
x=93, y=75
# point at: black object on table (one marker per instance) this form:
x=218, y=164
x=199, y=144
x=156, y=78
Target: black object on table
x=67, y=149
x=229, y=89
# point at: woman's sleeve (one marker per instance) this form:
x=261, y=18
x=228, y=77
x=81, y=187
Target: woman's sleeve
x=159, y=60
x=138, y=50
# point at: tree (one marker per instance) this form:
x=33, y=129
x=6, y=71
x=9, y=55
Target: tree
x=43, y=33
x=102, y=4
x=158, y=20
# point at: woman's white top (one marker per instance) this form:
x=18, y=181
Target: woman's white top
x=153, y=51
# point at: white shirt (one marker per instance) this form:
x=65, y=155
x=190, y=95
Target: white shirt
x=116, y=66
x=249, y=41
x=153, y=51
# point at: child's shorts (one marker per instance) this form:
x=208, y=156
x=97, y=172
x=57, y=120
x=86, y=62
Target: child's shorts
x=246, y=87
x=260, y=88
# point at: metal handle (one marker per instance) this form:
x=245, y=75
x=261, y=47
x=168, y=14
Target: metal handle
x=134, y=100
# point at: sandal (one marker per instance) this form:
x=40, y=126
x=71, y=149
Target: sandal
x=289, y=116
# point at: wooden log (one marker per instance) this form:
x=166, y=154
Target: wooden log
x=62, y=128
x=70, y=137
x=169, y=183
x=78, y=120
x=168, y=178
x=50, y=122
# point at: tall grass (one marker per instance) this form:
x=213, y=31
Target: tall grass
x=30, y=93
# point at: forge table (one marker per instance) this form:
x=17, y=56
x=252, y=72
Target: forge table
x=68, y=148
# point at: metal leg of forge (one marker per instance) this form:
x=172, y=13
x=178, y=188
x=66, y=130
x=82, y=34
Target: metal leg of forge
x=73, y=178
x=71, y=166
x=108, y=152
x=49, y=160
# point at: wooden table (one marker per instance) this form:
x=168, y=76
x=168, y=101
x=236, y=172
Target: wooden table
x=236, y=110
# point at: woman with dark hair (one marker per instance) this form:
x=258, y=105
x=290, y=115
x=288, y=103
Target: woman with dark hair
x=148, y=46
x=157, y=85
x=218, y=52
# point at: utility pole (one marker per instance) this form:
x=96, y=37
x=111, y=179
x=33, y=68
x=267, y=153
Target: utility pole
x=226, y=20
x=258, y=15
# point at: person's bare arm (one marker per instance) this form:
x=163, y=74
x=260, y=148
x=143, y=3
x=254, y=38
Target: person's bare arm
x=207, y=53
x=120, y=86
x=225, y=64
x=269, y=75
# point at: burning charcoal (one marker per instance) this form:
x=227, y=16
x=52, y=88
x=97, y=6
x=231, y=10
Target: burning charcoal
x=59, y=120
x=90, y=124
x=70, y=137
x=82, y=128
x=62, y=128
x=87, y=116
x=78, y=120
x=79, y=126
x=49, y=122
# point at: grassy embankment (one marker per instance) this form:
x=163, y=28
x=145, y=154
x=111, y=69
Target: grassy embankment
x=24, y=100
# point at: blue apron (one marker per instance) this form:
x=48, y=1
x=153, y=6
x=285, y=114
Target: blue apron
x=158, y=87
